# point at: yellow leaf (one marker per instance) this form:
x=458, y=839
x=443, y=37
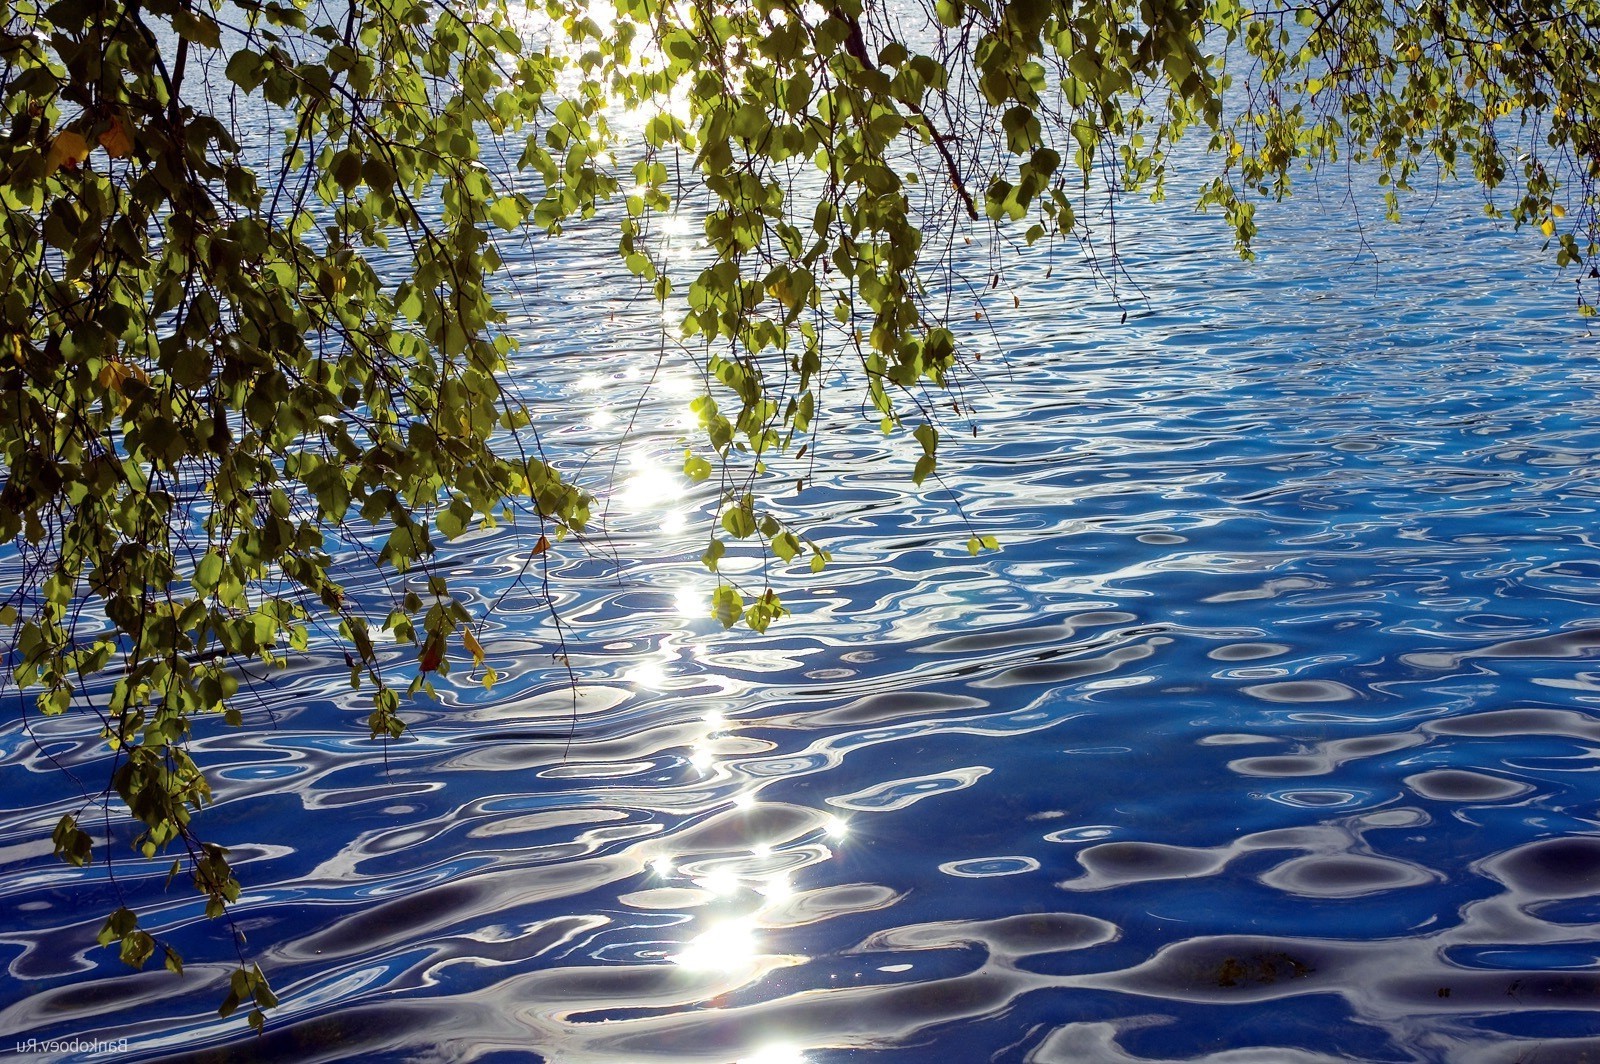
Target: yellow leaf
x=118, y=140
x=474, y=647
x=1548, y=227
x=69, y=149
x=489, y=677
x=1557, y=210
x=113, y=374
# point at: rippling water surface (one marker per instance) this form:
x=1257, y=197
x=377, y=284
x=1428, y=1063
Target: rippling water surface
x=1269, y=736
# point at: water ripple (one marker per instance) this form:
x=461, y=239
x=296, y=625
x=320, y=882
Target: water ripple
x=1282, y=697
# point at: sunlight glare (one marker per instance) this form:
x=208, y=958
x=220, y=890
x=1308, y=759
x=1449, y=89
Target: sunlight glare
x=648, y=675
x=675, y=387
x=643, y=491
x=691, y=602
x=676, y=227
x=724, y=947
x=775, y=1054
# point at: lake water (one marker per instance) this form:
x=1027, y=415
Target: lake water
x=1270, y=735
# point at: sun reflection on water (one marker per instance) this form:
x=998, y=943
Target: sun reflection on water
x=690, y=602
x=723, y=947
x=775, y=1054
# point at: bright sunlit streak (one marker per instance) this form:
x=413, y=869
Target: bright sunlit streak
x=721, y=883
x=648, y=675
x=836, y=827
x=662, y=866
x=775, y=1054
x=648, y=486
x=724, y=947
x=690, y=602
x=643, y=491
x=673, y=522
x=676, y=387
x=677, y=225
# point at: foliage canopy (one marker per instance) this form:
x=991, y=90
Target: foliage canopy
x=248, y=274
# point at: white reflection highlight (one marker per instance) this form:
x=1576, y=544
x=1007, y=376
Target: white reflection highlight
x=676, y=226
x=643, y=491
x=691, y=602
x=776, y=1054
x=724, y=947
x=744, y=801
x=722, y=884
x=836, y=827
x=673, y=522
x=676, y=387
x=662, y=866
x=777, y=888
x=648, y=675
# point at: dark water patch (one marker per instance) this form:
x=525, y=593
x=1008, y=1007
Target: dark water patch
x=1234, y=969
x=1248, y=651
x=1458, y=785
x=1345, y=876
x=1552, y=868
x=1302, y=691
x=1510, y=722
x=1111, y=864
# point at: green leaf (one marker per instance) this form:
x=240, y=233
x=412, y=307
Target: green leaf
x=727, y=605
x=695, y=467
x=713, y=554
x=507, y=212
x=786, y=546
x=197, y=26
x=739, y=520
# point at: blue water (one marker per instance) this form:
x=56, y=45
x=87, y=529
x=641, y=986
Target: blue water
x=1270, y=735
